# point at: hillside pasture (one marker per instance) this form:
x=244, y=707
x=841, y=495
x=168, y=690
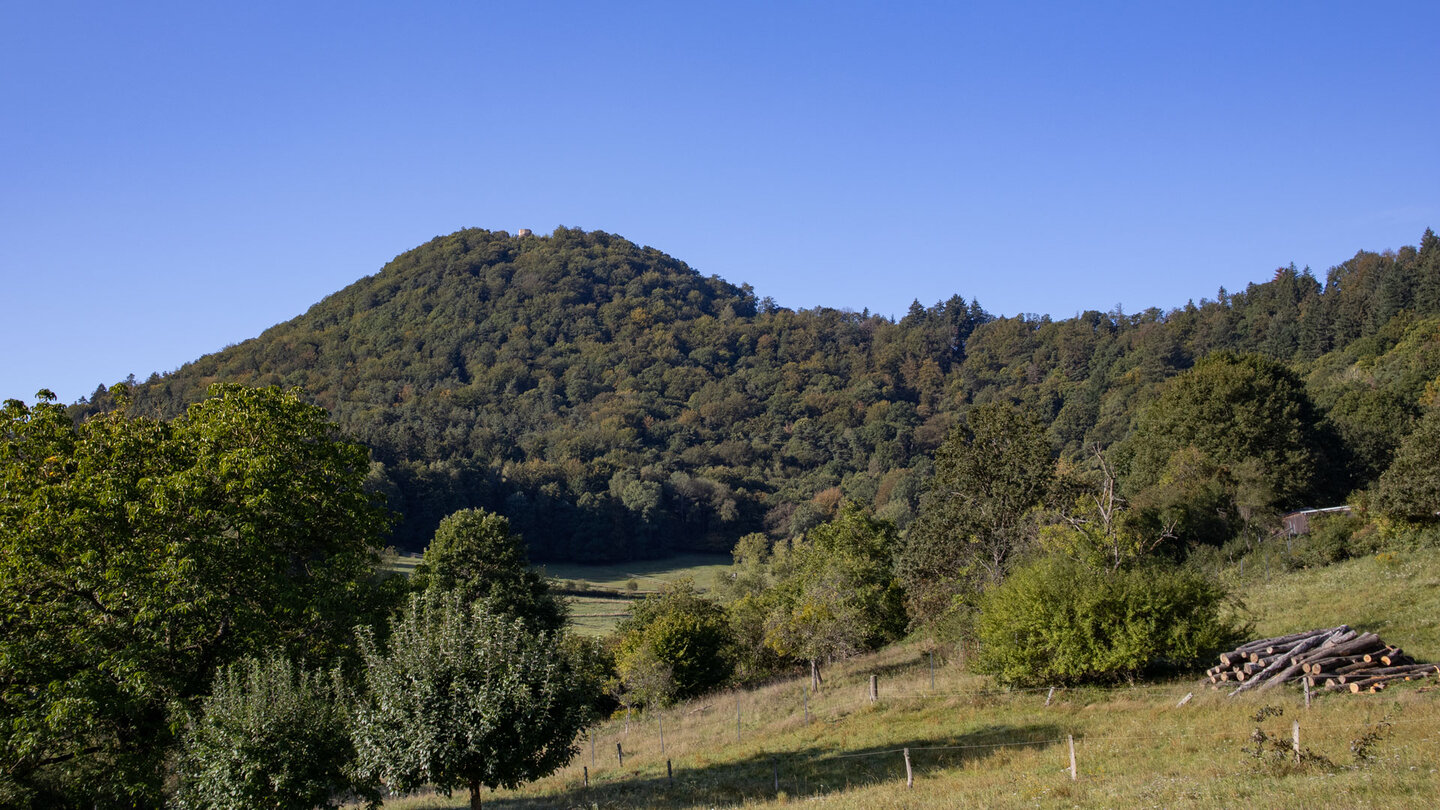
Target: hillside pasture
x=972, y=745
x=649, y=576
x=599, y=595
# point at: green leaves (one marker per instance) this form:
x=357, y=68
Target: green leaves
x=270, y=734
x=460, y=697
x=136, y=556
x=1234, y=409
x=1410, y=488
x=974, y=518
x=673, y=645
x=1058, y=621
x=475, y=553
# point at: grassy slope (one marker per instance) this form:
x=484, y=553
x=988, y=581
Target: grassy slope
x=1135, y=747
x=1395, y=594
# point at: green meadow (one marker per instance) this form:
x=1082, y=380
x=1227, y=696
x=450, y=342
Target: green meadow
x=972, y=745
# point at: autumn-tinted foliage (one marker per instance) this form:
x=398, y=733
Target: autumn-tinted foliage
x=613, y=403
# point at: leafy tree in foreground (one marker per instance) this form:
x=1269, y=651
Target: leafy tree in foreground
x=462, y=698
x=837, y=594
x=137, y=556
x=270, y=734
x=974, y=518
x=475, y=553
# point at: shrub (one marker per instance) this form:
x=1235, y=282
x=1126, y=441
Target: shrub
x=270, y=735
x=673, y=645
x=1057, y=621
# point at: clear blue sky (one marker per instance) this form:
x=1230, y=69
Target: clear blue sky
x=176, y=177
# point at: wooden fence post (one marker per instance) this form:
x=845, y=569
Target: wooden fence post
x=776, y=762
x=669, y=774
x=1074, y=774
x=660, y=718
x=587, y=774
x=1295, y=731
x=874, y=688
x=1049, y=696
x=620, y=754
x=909, y=774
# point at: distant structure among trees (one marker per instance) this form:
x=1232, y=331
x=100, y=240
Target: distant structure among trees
x=1297, y=523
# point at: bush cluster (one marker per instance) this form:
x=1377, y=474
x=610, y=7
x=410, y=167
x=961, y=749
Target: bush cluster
x=1058, y=621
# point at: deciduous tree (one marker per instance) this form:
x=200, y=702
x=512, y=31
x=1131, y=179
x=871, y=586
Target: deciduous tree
x=270, y=734
x=460, y=697
x=673, y=645
x=1410, y=488
x=475, y=553
x=992, y=471
x=137, y=556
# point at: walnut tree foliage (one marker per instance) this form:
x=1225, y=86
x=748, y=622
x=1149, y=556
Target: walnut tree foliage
x=138, y=555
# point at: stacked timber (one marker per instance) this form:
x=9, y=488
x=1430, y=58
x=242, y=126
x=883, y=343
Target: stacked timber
x=1336, y=658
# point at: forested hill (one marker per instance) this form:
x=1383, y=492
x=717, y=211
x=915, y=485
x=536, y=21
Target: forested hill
x=614, y=403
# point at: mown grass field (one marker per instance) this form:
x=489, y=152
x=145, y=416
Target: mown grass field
x=974, y=746
x=648, y=575
x=595, y=614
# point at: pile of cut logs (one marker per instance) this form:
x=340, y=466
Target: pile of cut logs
x=1337, y=659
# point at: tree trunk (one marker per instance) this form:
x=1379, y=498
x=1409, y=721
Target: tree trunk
x=474, y=795
x=815, y=679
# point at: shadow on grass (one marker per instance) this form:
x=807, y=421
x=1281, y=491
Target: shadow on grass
x=804, y=773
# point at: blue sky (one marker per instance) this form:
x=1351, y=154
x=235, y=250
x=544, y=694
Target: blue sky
x=176, y=177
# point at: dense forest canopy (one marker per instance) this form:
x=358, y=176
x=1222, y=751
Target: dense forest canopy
x=614, y=403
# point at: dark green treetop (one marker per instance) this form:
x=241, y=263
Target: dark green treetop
x=475, y=553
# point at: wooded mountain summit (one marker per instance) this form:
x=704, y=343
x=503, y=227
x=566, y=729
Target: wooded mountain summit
x=614, y=403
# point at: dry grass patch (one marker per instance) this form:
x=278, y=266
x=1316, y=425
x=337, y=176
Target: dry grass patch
x=973, y=745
